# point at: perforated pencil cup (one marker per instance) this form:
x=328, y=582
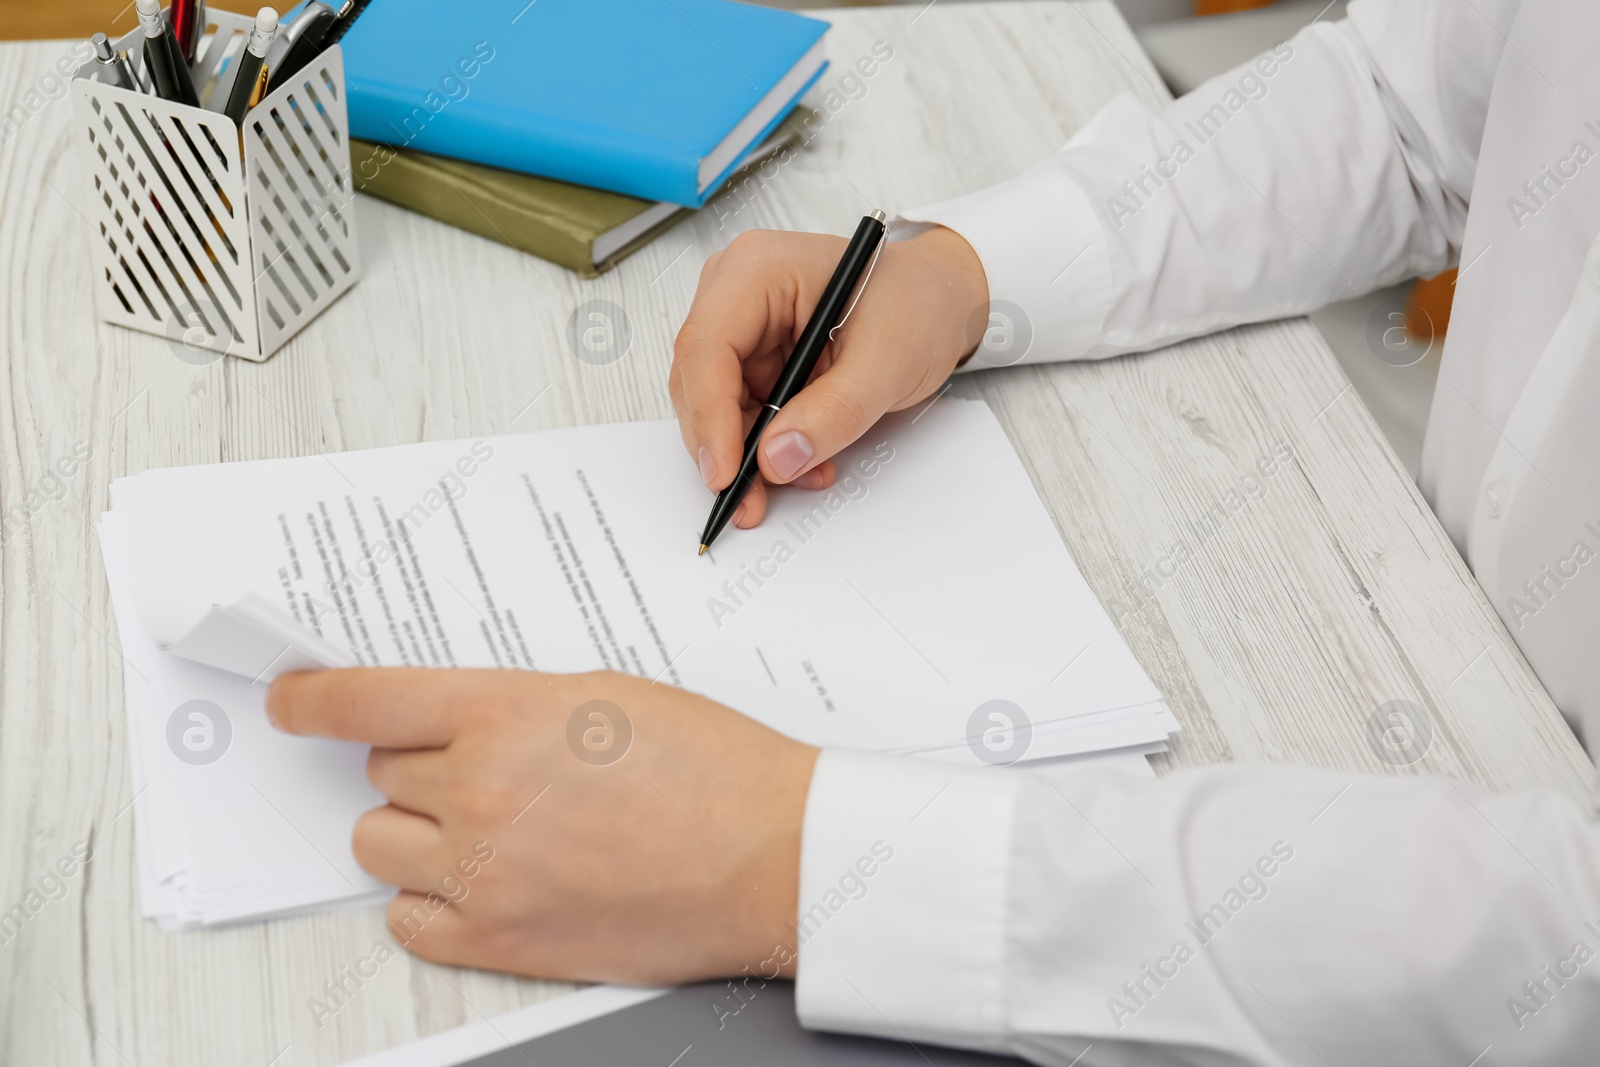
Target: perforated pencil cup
x=221, y=238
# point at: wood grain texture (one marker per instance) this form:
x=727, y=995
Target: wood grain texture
x=1286, y=627
x=22, y=20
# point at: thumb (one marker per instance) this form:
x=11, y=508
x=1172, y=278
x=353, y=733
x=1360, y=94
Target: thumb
x=824, y=418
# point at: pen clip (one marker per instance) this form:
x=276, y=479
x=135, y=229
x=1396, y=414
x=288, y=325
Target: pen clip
x=882, y=240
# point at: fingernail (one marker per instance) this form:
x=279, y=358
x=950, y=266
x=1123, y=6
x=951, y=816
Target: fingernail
x=708, y=466
x=811, y=479
x=788, y=453
x=738, y=513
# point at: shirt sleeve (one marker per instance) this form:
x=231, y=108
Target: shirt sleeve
x=1337, y=162
x=1230, y=915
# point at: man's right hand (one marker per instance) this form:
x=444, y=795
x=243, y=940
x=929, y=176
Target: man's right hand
x=923, y=312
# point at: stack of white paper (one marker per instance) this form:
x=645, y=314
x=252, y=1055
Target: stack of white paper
x=925, y=605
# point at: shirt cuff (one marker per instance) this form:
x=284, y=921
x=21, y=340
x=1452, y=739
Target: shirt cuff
x=1047, y=262
x=901, y=925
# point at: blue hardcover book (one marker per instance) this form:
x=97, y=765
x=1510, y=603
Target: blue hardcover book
x=659, y=99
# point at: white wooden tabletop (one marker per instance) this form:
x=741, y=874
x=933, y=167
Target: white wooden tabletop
x=1287, y=623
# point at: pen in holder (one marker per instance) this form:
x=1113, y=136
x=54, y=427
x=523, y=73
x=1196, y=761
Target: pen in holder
x=225, y=238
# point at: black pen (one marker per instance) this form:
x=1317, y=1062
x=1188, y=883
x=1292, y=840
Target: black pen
x=168, y=71
x=347, y=17
x=249, y=78
x=859, y=256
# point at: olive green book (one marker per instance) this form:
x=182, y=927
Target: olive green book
x=588, y=231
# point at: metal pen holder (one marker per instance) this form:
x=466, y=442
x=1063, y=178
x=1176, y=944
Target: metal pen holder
x=223, y=238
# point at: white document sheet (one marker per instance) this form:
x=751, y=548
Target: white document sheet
x=881, y=614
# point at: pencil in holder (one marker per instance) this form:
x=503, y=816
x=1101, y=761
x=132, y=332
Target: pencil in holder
x=224, y=239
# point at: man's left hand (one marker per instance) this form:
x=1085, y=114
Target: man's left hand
x=590, y=826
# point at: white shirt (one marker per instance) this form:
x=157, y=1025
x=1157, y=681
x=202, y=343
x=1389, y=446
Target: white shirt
x=1280, y=915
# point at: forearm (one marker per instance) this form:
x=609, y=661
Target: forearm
x=1232, y=915
x=1326, y=168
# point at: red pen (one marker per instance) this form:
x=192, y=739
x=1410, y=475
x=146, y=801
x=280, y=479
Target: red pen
x=188, y=19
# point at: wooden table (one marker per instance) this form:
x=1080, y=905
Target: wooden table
x=1290, y=622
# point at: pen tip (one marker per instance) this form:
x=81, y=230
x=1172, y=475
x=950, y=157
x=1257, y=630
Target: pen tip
x=702, y=551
